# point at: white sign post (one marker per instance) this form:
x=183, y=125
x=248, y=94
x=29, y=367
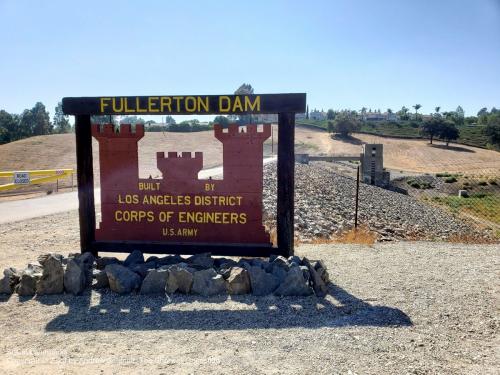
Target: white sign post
x=21, y=178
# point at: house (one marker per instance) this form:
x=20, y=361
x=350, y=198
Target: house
x=378, y=116
x=317, y=115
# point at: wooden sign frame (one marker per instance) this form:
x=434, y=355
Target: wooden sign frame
x=285, y=105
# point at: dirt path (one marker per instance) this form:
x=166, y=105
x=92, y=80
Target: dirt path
x=393, y=309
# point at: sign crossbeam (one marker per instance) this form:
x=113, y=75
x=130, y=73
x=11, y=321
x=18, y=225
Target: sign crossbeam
x=185, y=104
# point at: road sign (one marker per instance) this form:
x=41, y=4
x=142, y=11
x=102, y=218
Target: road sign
x=21, y=178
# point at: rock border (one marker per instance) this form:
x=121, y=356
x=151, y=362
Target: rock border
x=200, y=274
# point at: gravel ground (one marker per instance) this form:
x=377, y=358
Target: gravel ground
x=325, y=200
x=416, y=308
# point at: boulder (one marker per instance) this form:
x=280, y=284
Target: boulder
x=27, y=284
x=86, y=260
x=305, y=273
x=121, y=279
x=208, y=283
x=259, y=263
x=135, y=257
x=86, y=263
x=28, y=279
x=262, y=283
x=201, y=261
x=9, y=281
x=152, y=258
x=169, y=260
x=272, y=257
x=154, y=282
x=224, y=262
x=225, y=271
x=278, y=270
x=319, y=286
x=179, y=279
x=101, y=263
x=75, y=278
x=52, y=279
x=320, y=268
x=294, y=260
x=238, y=281
x=294, y=284
x=42, y=258
x=281, y=261
x=101, y=279
x=142, y=269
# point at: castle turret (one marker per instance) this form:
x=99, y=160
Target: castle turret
x=118, y=156
x=179, y=169
x=242, y=154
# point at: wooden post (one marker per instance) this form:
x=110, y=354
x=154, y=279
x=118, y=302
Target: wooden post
x=85, y=180
x=357, y=200
x=272, y=139
x=286, y=182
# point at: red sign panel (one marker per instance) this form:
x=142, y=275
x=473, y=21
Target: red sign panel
x=179, y=207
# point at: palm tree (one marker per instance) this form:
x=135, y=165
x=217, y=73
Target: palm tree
x=417, y=107
x=389, y=110
x=403, y=113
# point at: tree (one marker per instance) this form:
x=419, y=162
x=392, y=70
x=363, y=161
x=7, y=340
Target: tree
x=403, y=113
x=26, y=124
x=431, y=127
x=330, y=127
x=9, y=125
x=307, y=112
x=103, y=119
x=345, y=123
x=459, y=116
x=448, y=132
x=483, y=111
x=389, y=111
x=363, y=113
x=61, y=121
x=41, y=120
x=437, y=109
x=222, y=120
x=169, y=120
x=132, y=120
x=330, y=115
x=417, y=107
x=492, y=130
x=245, y=89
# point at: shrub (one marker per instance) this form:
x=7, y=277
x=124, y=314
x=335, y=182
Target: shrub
x=482, y=183
x=419, y=184
x=450, y=179
x=492, y=182
x=443, y=174
x=478, y=195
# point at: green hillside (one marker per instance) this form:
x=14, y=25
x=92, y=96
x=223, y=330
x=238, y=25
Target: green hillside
x=469, y=135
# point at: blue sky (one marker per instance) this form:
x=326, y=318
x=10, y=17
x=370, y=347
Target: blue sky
x=343, y=54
